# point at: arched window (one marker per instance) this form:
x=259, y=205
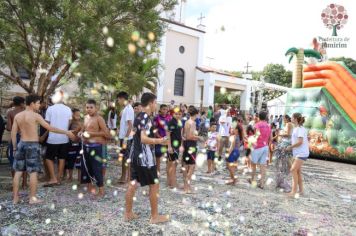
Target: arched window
x=179, y=82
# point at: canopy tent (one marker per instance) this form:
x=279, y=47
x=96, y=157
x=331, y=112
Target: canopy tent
x=277, y=106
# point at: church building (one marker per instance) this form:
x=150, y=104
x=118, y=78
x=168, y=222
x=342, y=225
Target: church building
x=184, y=78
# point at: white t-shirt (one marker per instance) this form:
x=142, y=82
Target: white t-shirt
x=302, y=150
x=59, y=116
x=113, y=121
x=126, y=115
x=225, y=125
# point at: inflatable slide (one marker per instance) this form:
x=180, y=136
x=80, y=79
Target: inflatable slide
x=328, y=101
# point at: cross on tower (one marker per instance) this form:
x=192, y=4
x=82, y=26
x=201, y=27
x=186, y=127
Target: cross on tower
x=181, y=9
x=201, y=18
x=247, y=66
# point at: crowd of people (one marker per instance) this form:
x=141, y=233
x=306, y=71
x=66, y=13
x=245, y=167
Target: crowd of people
x=176, y=135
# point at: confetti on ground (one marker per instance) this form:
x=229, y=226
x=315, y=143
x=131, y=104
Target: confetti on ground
x=327, y=208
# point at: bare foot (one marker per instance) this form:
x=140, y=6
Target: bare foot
x=100, y=195
x=159, y=219
x=35, y=200
x=174, y=186
x=188, y=190
x=92, y=191
x=291, y=195
x=231, y=182
x=16, y=200
x=130, y=216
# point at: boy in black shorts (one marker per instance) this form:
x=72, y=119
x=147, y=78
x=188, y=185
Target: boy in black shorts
x=74, y=145
x=190, y=148
x=174, y=147
x=143, y=163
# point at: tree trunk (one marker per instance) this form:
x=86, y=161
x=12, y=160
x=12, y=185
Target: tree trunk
x=334, y=30
x=298, y=70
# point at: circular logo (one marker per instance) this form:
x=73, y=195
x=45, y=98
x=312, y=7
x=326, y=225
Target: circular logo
x=334, y=17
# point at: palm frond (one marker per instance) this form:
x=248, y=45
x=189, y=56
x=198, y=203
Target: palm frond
x=291, y=51
x=312, y=53
x=291, y=58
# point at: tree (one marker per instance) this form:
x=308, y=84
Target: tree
x=227, y=98
x=277, y=74
x=334, y=17
x=349, y=62
x=97, y=40
x=297, y=79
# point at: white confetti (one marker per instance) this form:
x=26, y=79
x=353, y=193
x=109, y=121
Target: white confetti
x=105, y=30
x=110, y=41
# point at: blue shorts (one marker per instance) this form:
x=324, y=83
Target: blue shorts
x=260, y=155
x=211, y=155
x=92, y=164
x=234, y=156
x=105, y=156
x=302, y=158
x=73, y=155
x=160, y=150
x=28, y=157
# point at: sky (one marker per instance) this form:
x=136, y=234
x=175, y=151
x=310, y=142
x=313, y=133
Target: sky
x=261, y=31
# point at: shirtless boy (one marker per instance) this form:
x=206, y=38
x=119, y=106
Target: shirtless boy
x=75, y=145
x=27, y=151
x=94, y=135
x=18, y=103
x=190, y=149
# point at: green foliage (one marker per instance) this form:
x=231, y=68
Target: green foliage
x=291, y=52
x=307, y=53
x=312, y=53
x=277, y=74
x=349, y=62
x=256, y=75
x=227, y=98
x=65, y=39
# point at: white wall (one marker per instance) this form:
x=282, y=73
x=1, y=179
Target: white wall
x=174, y=60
